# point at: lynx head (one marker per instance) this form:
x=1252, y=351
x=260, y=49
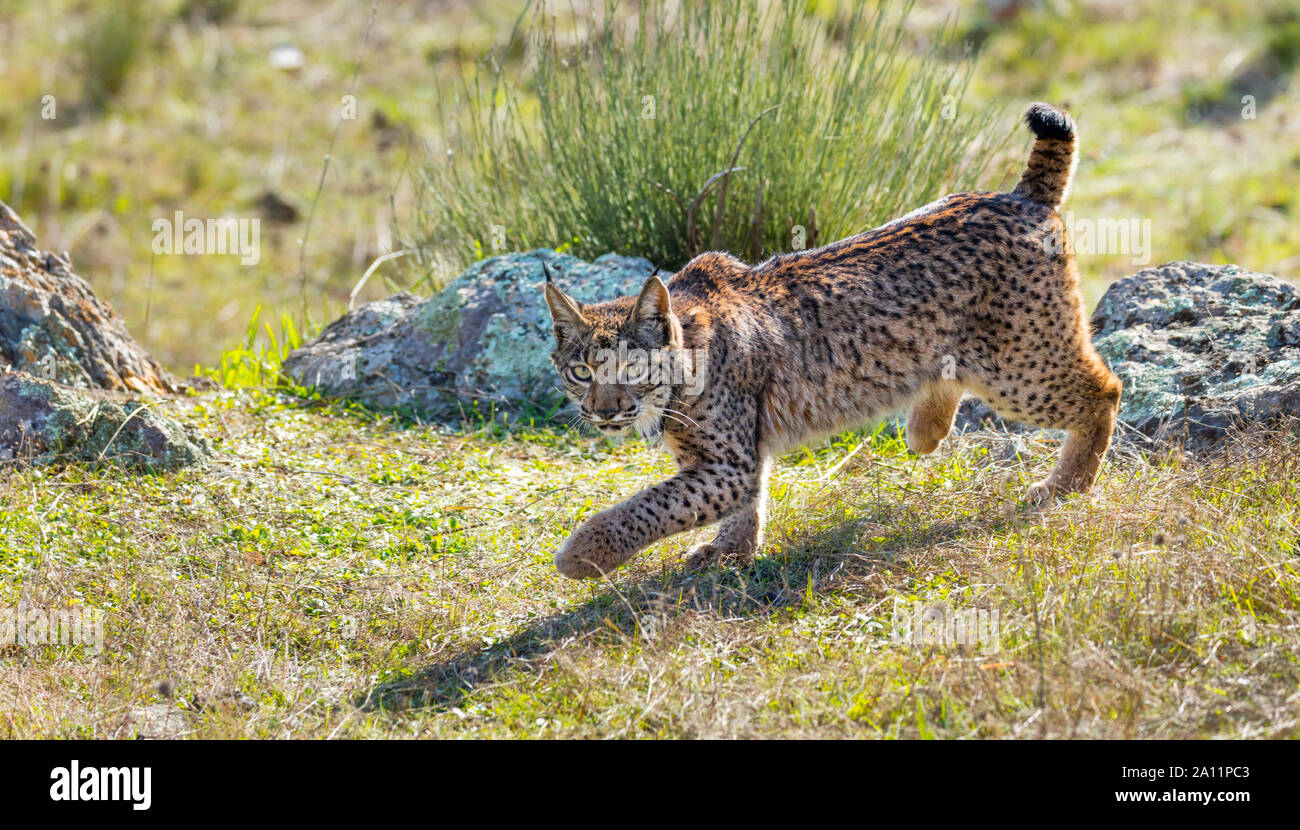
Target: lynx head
x=618, y=360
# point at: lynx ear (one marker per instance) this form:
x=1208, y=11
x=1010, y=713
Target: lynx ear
x=565, y=312
x=653, y=311
x=653, y=301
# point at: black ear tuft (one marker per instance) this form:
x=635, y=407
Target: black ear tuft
x=546, y=269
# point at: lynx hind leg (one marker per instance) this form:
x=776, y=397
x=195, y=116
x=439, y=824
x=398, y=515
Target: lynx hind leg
x=1090, y=426
x=1084, y=407
x=1036, y=364
x=1077, y=394
x=930, y=418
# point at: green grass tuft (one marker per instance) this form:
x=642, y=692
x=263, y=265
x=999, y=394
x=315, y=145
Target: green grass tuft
x=619, y=140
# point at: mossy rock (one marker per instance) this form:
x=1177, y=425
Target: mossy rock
x=479, y=346
x=47, y=423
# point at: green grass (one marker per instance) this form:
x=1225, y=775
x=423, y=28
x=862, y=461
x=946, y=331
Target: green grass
x=620, y=139
x=109, y=45
x=333, y=576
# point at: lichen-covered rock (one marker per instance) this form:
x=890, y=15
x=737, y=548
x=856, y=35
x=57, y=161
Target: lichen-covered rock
x=68, y=369
x=44, y=422
x=482, y=341
x=1202, y=348
x=1199, y=348
x=53, y=326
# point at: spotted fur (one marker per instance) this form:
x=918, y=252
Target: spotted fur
x=975, y=292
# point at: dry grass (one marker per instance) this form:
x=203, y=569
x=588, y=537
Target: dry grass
x=329, y=577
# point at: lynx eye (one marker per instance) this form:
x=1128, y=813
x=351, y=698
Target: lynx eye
x=579, y=373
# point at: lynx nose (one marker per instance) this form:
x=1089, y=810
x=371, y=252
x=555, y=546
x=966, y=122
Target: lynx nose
x=606, y=413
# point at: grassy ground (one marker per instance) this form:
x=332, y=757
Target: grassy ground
x=333, y=577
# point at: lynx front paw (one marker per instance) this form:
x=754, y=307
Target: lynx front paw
x=593, y=549
x=1041, y=493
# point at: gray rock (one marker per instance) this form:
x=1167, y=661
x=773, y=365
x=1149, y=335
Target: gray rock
x=42, y=423
x=69, y=371
x=1200, y=349
x=482, y=343
x=53, y=326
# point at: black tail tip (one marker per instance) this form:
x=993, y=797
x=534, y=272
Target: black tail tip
x=1048, y=122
